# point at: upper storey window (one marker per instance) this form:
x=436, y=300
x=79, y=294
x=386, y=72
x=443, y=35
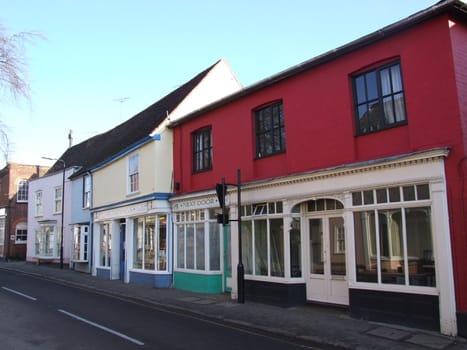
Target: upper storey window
x=269, y=130
x=379, y=99
x=202, y=150
x=133, y=173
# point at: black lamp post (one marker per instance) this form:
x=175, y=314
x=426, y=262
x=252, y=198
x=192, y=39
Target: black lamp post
x=63, y=206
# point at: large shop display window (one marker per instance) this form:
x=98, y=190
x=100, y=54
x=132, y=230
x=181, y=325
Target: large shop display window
x=198, y=240
x=150, y=243
x=263, y=239
x=393, y=236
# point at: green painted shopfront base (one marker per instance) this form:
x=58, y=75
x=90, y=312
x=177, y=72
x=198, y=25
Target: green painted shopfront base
x=210, y=284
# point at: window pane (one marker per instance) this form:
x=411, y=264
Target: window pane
x=391, y=247
x=149, y=244
x=399, y=107
x=261, y=248
x=316, y=247
x=365, y=246
x=247, y=244
x=162, y=248
x=381, y=195
x=276, y=229
x=200, y=258
x=409, y=193
x=371, y=85
x=295, y=249
x=180, y=246
x=394, y=194
x=214, y=247
x=360, y=89
x=385, y=82
x=396, y=78
x=368, y=197
x=357, y=198
x=388, y=110
x=420, y=247
x=138, y=243
x=337, y=237
x=190, y=246
x=423, y=192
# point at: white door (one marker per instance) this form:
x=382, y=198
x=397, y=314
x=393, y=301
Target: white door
x=326, y=280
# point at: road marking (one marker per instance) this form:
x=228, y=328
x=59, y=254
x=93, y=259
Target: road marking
x=19, y=293
x=121, y=335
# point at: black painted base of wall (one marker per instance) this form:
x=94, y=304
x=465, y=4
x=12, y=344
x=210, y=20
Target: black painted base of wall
x=462, y=324
x=280, y=294
x=412, y=310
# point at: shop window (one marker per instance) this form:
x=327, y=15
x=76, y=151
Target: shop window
x=324, y=205
x=202, y=150
x=80, y=243
x=47, y=241
x=198, y=240
x=388, y=252
x=295, y=248
x=270, y=130
x=391, y=194
x=379, y=99
x=258, y=209
x=263, y=247
x=105, y=245
x=150, y=243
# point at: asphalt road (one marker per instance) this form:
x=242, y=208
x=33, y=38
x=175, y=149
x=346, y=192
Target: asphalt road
x=39, y=314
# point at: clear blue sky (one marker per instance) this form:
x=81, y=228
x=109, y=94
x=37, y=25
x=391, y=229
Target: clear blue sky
x=97, y=51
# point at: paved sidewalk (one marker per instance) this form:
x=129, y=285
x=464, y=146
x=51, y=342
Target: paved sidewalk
x=323, y=325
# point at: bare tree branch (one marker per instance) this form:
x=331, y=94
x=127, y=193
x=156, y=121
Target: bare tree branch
x=13, y=73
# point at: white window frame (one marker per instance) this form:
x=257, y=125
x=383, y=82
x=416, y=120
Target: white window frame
x=133, y=183
x=81, y=243
x=53, y=253
x=105, y=260
x=195, y=218
x=86, y=191
x=58, y=205
x=38, y=203
x=22, y=226
x=22, y=191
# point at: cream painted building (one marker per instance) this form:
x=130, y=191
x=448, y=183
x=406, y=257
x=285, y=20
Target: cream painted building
x=131, y=214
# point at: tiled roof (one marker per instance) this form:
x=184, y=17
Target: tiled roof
x=99, y=148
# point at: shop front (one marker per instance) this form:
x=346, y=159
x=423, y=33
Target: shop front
x=373, y=237
x=133, y=243
x=200, y=258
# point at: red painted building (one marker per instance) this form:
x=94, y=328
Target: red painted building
x=14, y=183
x=353, y=170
